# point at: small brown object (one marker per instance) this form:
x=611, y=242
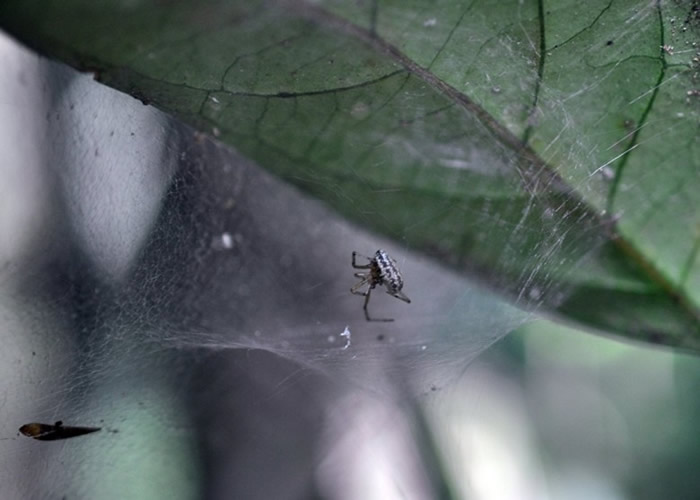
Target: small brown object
x=48, y=432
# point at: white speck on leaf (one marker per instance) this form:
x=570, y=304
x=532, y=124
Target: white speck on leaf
x=227, y=240
x=607, y=173
x=359, y=110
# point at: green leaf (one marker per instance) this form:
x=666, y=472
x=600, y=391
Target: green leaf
x=550, y=147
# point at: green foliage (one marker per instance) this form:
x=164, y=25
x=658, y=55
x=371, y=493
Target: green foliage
x=550, y=147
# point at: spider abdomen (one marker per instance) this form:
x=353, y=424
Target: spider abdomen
x=388, y=271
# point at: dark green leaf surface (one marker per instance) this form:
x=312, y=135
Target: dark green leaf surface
x=551, y=147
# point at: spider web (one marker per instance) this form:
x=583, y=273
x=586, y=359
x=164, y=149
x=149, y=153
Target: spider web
x=146, y=251
x=143, y=256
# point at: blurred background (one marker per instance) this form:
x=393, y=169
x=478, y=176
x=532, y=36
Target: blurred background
x=154, y=284
x=559, y=413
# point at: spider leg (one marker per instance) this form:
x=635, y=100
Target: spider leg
x=359, y=285
x=354, y=264
x=364, y=307
x=366, y=295
x=369, y=290
x=364, y=276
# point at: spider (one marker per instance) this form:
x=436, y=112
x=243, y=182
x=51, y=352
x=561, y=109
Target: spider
x=382, y=271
